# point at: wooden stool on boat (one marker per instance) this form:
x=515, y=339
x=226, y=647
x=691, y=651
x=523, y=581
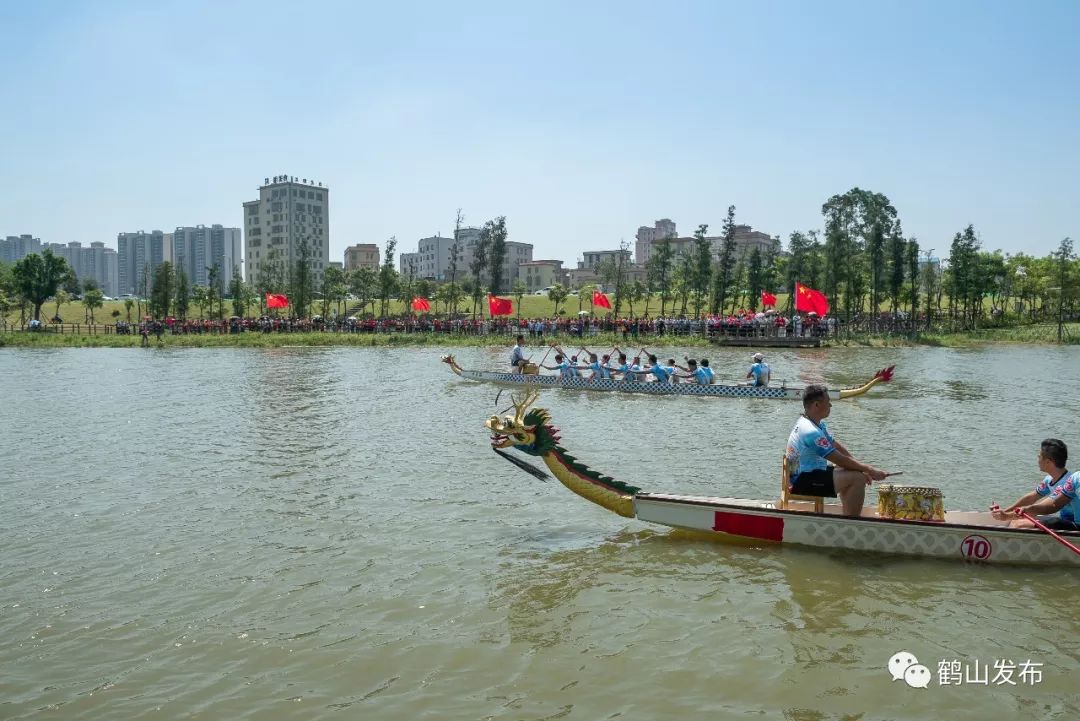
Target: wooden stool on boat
x=786, y=496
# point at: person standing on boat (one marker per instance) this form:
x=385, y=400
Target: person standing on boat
x=810, y=448
x=517, y=356
x=759, y=371
x=1053, y=455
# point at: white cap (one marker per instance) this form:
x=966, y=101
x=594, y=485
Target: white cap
x=759, y=357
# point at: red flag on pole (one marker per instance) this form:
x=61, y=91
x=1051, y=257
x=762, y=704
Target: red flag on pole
x=768, y=299
x=808, y=299
x=277, y=300
x=499, y=306
x=419, y=303
x=600, y=299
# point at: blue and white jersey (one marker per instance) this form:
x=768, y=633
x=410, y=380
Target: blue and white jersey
x=566, y=370
x=631, y=372
x=661, y=373
x=761, y=373
x=807, y=447
x=703, y=375
x=1070, y=488
x=517, y=354
x=597, y=369
x=1052, y=488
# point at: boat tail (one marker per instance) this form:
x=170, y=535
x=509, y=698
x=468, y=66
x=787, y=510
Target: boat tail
x=531, y=432
x=882, y=376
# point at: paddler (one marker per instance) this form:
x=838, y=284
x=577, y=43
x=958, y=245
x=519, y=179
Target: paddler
x=1049, y=497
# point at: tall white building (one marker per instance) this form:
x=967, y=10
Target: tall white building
x=96, y=263
x=197, y=249
x=290, y=212
x=139, y=255
x=16, y=247
x=646, y=236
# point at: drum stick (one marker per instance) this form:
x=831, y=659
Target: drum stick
x=897, y=473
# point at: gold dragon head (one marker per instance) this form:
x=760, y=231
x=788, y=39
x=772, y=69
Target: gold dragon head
x=509, y=431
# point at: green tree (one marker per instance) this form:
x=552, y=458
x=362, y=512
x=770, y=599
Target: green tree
x=37, y=278
x=213, y=296
x=408, y=280
x=302, y=282
x=364, y=284
x=701, y=272
x=519, y=290
x=200, y=297
x=755, y=277
x=659, y=270
x=557, y=294
x=496, y=233
x=898, y=261
x=333, y=289
x=93, y=299
x=478, y=265
x=453, y=293
x=128, y=305
x=238, y=293
x=635, y=292
x=912, y=251
x=726, y=264
x=162, y=293
x=61, y=297
x=1063, y=258
x=182, y=300
x=388, y=278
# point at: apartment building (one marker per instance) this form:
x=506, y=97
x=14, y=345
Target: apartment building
x=290, y=213
x=540, y=274
x=16, y=247
x=96, y=263
x=138, y=255
x=196, y=249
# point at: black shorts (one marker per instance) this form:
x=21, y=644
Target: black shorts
x=1057, y=523
x=815, y=483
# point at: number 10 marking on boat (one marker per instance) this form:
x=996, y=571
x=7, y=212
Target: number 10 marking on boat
x=976, y=547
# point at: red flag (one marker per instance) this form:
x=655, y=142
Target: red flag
x=419, y=303
x=600, y=299
x=768, y=299
x=499, y=306
x=808, y=299
x=277, y=300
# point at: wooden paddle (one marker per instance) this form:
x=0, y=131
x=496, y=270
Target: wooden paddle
x=1042, y=527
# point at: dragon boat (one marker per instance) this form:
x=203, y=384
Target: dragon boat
x=799, y=520
x=781, y=392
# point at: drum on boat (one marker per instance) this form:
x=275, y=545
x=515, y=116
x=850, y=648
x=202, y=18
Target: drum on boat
x=910, y=503
x=530, y=369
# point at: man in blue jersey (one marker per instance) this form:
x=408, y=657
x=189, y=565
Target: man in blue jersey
x=759, y=371
x=811, y=447
x=517, y=355
x=660, y=372
x=1050, y=495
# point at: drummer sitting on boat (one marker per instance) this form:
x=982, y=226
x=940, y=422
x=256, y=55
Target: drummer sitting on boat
x=1049, y=496
x=517, y=356
x=810, y=444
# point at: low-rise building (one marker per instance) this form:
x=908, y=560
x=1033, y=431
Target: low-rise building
x=540, y=274
x=362, y=255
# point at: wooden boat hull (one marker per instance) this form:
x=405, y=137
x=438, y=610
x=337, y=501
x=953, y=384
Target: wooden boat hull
x=963, y=536
x=780, y=392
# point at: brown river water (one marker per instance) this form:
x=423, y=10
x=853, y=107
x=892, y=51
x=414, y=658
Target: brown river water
x=324, y=533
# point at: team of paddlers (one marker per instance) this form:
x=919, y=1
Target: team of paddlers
x=617, y=365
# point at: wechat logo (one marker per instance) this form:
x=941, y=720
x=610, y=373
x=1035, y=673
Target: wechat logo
x=904, y=666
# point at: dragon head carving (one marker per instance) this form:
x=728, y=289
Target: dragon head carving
x=526, y=430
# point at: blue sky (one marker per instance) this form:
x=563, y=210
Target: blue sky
x=578, y=121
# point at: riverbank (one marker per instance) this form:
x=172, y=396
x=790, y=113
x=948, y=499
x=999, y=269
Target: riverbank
x=1027, y=335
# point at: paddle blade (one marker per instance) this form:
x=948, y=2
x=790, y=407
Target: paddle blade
x=523, y=465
